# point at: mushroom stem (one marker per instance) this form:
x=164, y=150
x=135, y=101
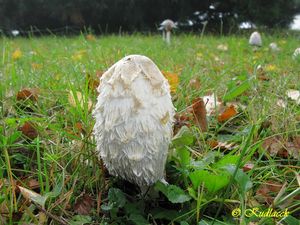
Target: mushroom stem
x=164, y=35
x=168, y=37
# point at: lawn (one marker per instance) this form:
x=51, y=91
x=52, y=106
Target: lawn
x=247, y=158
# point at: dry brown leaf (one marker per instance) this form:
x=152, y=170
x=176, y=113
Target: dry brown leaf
x=180, y=121
x=195, y=84
x=214, y=144
x=248, y=166
x=228, y=113
x=90, y=37
x=199, y=112
x=293, y=147
x=84, y=204
x=267, y=191
x=92, y=82
x=29, y=130
x=32, y=196
x=27, y=93
x=32, y=184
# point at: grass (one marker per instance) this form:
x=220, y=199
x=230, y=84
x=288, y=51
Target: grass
x=60, y=165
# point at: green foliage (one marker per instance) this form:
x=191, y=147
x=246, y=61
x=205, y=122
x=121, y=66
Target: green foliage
x=174, y=193
x=213, y=182
x=61, y=166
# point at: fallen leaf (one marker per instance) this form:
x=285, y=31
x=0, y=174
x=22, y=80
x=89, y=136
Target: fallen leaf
x=199, y=112
x=270, y=68
x=222, y=47
x=90, y=37
x=294, y=95
x=276, y=146
x=77, y=56
x=173, y=80
x=228, y=113
x=92, y=82
x=215, y=144
x=27, y=93
x=195, y=84
x=17, y=54
x=261, y=74
x=180, y=121
x=33, y=196
x=79, y=100
x=248, y=166
x=84, y=204
x=267, y=191
x=36, y=66
x=293, y=147
x=281, y=103
x=32, y=184
x=29, y=130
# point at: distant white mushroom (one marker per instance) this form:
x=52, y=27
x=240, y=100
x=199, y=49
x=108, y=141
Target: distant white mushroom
x=15, y=33
x=296, y=53
x=166, y=26
x=255, y=39
x=273, y=47
x=134, y=118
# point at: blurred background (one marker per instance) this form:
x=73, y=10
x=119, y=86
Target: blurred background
x=115, y=16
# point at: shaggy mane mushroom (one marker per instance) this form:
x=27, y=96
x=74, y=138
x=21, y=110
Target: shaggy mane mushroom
x=134, y=118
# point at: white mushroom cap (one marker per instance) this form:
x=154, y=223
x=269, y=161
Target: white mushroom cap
x=296, y=53
x=255, y=39
x=273, y=47
x=167, y=25
x=134, y=118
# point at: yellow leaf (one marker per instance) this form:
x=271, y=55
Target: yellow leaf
x=90, y=37
x=270, y=68
x=78, y=55
x=17, y=54
x=173, y=80
x=79, y=100
x=36, y=66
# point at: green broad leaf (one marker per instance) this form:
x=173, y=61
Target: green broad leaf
x=107, y=207
x=241, y=178
x=167, y=214
x=138, y=219
x=184, y=223
x=226, y=160
x=80, y=220
x=12, y=138
x=184, y=137
x=116, y=197
x=174, y=193
x=134, y=207
x=184, y=156
x=192, y=193
x=237, y=90
x=213, y=182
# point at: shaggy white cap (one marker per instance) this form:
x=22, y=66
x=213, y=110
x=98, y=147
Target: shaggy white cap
x=273, y=47
x=134, y=118
x=255, y=39
x=167, y=25
x=296, y=53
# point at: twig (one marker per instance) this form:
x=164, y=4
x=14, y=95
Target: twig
x=52, y=216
